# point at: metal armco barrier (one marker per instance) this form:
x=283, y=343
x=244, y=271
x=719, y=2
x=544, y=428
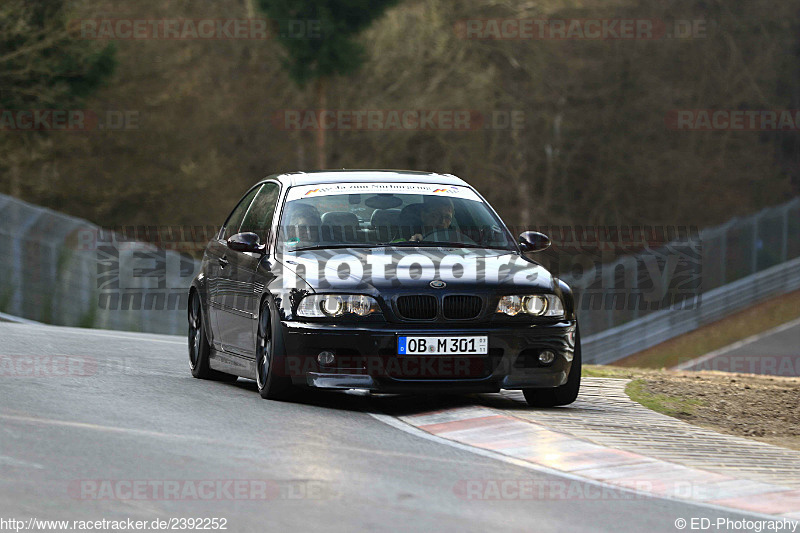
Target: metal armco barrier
x=62, y=270
x=637, y=335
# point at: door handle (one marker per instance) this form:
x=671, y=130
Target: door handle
x=223, y=261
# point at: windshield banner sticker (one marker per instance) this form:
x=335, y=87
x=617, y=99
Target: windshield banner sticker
x=314, y=191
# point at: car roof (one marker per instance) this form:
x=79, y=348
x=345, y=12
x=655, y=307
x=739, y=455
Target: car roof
x=366, y=176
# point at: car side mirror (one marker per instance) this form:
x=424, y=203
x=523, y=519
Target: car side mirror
x=246, y=242
x=533, y=241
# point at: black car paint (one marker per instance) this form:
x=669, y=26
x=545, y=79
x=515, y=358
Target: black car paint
x=231, y=303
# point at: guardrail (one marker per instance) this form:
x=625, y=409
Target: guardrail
x=697, y=264
x=643, y=333
x=724, y=268
x=66, y=271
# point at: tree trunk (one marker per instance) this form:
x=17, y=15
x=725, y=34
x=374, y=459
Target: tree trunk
x=322, y=102
x=301, y=150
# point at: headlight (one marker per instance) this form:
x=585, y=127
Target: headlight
x=555, y=307
x=335, y=305
x=510, y=305
x=535, y=305
x=361, y=305
x=532, y=304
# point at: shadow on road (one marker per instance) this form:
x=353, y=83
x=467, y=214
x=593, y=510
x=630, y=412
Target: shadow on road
x=395, y=404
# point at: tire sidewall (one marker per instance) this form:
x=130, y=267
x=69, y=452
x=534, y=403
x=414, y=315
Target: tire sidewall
x=275, y=386
x=201, y=367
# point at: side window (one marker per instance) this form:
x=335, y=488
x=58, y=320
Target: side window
x=259, y=217
x=235, y=219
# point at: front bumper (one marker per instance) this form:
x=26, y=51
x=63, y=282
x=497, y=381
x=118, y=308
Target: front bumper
x=366, y=357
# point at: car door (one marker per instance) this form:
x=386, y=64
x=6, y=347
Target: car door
x=214, y=252
x=247, y=270
x=219, y=268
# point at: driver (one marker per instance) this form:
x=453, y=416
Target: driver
x=436, y=214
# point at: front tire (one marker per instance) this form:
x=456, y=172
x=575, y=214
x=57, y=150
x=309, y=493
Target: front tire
x=564, y=394
x=270, y=385
x=199, y=348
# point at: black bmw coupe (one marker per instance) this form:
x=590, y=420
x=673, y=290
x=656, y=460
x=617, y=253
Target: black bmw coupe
x=391, y=281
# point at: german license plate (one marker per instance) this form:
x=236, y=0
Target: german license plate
x=442, y=345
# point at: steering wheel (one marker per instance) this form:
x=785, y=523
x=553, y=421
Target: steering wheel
x=446, y=235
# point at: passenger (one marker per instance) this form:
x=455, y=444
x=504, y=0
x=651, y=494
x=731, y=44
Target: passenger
x=303, y=225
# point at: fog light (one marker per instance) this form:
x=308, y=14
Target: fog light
x=326, y=358
x=546, y=357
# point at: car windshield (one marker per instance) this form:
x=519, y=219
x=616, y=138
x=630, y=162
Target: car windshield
x=396, y=214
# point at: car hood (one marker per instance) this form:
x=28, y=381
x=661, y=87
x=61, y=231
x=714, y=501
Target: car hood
x=367, y=269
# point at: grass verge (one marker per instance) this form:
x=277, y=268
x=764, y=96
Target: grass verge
x=747, y=405
x=667, y=404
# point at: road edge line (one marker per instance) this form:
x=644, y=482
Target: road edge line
x=407, y=428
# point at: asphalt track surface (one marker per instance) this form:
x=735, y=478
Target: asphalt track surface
x=89, y=406
x=774, y=352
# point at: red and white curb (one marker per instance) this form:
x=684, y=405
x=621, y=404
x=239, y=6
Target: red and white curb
x=492, y=431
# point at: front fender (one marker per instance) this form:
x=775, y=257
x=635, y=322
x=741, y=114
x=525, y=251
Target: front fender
x=568, y=298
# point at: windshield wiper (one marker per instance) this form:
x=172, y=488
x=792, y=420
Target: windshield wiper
x=443, y=244
x=332, y=246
